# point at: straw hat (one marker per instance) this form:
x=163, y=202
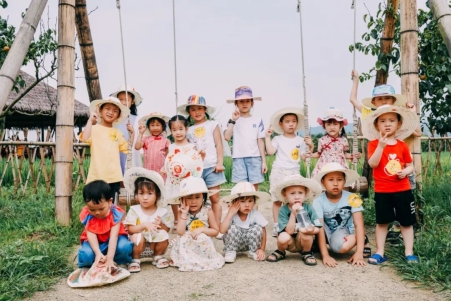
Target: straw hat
x=94, y=107
x=132, y=174
x=351, y=175
x=246, y=189
x=333, y=113
x=144, y=119
x=193, y=185
x=385, y=90
x=95, y=276
x=409, y=122
x=314, y=189
x=275, y=119
x=137, y=98
x=243, y=92
x=195, y=100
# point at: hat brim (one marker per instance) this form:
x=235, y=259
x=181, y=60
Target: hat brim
x=143, y=121
x=314, y=188
x=176, y=200
x=80, y=277
x=275, y=119
x=322, y=120
x=96, y=104
x=410, y=122
x=351, y=176
x=182, y=109
x=401, y=100
x=253, y=98
x=262, y=197
x=132, y=174
x=137, y=97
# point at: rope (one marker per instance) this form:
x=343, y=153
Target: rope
x=175, y=58
x=306, y=123
x=355, y=147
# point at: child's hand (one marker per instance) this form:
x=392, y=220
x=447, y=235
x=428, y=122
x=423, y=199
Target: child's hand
x=184, y=208
x=157, y=220
x=219, y=168
x=411, y=107
x=202, y=153
x=357, y=259
x=234, y=208
x=109, y=265
x=236, y=114
x=141, y=129
x=382, y=140
x=196, y=232
x=260, y=254
x=264, y=168
x=355, y=75
x=295, y=207
x=308, y=141
x=357, y=155
x=93, y=117
x=163, y=171
x=152, y=227
x=100, y=259
x=329, y=261
x=269, y=131
x=130, y=128
x=309, y=231
x=401, y=174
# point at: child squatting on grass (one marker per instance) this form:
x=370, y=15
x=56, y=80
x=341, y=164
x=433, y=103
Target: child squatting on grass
x=244, y=228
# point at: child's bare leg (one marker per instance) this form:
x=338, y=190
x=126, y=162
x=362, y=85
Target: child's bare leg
x=305, y=240
x=349, y=244
x=175, y=210
x=215, y=205
x=275, y=210
x=381, y=234
x=256, y=187
x=407, y=236
x=138, y=248
x=159, y=248
x=283, y=240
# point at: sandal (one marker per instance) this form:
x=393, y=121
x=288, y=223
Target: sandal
x=412, y=258
x=172, y=264
x=160, y=262
x=366, y=252
x=308, y=258
x=135, y=266
x=377, y=259
x=276, y=256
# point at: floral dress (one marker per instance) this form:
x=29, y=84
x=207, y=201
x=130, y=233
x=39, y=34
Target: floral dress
x=196, y=255
x=331, y=150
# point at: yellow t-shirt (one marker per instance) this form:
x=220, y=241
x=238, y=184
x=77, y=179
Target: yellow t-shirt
x=106, y=143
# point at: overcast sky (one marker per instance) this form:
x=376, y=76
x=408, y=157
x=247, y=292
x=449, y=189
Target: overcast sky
x=224, y=44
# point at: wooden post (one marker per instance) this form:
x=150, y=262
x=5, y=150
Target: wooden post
x=65, y=111
x=87, y=51
x=442, y=13
x=409, y=71
x=19, y=49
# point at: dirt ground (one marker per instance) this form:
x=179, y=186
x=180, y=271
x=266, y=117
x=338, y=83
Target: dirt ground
x=246, y=279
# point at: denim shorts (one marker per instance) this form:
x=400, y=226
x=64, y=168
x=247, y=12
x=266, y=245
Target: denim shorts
x=213, y=179
x=247, y=170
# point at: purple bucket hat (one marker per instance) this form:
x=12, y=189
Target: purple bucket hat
x=243, y=92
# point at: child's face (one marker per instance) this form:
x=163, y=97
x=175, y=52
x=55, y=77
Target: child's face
x=388, y=124
x=100, y=210
x=289, y=124
x=178, y=131
x=109, y=113
x=246, y=204
x=194, y=201
x=123, y=98
x=147, y=198
x=244, y=105
x=332, y=127
x=334, y=183
x=197, y=113
x=155, y=128
x=295, y=194
x=383, y=100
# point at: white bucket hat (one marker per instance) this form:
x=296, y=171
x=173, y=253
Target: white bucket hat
x=351, y=175
x=95, y=276
x=385, y=90
x=409, y=120
x=132, y=174
x=195, y=100
x=137, y=98
x=193, y=185
x=275, y=119
x=144, y=119
x=246, y=189
x=333, y=113
x=314, y=189
x=94, y=107
x=243, y=92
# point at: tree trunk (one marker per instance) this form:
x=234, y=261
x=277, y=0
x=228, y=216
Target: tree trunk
x=87, y=51
x=442, y=13
x=65, y=112
x=19, y=49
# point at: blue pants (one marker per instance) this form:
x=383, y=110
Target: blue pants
x=123, y=255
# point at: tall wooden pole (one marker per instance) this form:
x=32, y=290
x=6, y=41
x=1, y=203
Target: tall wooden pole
x=19, y=49
x=409, y=71
x=442, y=13
x=87, y=51
x=65, y=111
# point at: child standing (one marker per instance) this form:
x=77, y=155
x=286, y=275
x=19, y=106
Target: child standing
x=295, y=191
x=146, y=223
x=288, y=147
x=151, y=137
x=104, y=139
x=248, y=132
x=244, y=228
x=205, y=135
x=391, y=161
x=340, y=212
x=104, y=240
x=193, y=249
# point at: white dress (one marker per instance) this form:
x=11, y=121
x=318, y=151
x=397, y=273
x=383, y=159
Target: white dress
x=136, y=216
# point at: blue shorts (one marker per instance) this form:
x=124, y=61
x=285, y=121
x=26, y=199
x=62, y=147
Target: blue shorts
x=247, y=170
x=213, y=179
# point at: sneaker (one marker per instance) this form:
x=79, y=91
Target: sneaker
x=230, y=256
x=275, y=230
x=252, y=255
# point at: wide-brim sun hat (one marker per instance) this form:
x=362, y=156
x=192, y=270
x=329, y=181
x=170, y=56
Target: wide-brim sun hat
x=195, y=100
x=132, y=174
x=314, y=189
x=144, y=119
x=351, y=175
x=94, y=107
x=243, y=92
x=137, y=97
x=95, y=276
x=409, y=119
x=385, y=90
x=275, y=119
x=333, y=113
x=243, y=189
x=194, y=185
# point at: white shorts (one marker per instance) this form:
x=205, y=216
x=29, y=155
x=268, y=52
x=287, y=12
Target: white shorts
x=278, y=175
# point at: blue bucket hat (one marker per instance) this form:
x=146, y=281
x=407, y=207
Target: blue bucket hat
x=385, y=90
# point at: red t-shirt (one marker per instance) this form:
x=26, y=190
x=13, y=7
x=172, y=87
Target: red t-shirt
x=394, y=158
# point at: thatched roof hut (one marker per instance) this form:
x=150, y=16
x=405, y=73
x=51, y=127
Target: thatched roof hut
x=37, y=109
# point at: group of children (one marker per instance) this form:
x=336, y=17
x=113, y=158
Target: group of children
x=188, y=173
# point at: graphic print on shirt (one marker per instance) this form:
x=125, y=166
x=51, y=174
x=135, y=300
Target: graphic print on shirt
x=199, y=138
x=337, y=218
x=393, y=165
x=295, y=153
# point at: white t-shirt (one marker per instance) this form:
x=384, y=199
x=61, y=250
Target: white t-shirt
x=289, y=151
x=246, y=132
x=202, y=137
x=253, y=218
